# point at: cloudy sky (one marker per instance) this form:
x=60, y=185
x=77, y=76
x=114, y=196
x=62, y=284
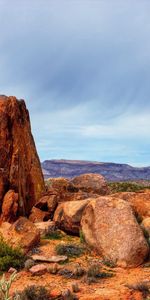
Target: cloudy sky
x=83, y=67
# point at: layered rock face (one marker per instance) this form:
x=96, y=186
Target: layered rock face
x=20, y=168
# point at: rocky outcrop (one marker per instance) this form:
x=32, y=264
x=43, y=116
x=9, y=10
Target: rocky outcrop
x=48, y=203
x=68, y=215
x=38, y=215
x=64, y=190
x=20, y=168
x=10, y=206
x=22, y=234
x=139, y=201
x=94, y=183
x=109, y=225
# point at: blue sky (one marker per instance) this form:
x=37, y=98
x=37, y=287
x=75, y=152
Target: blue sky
x=83, y=67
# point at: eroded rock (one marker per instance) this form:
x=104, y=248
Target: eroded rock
x=22, y=234
x=68, y=215
x=20, y=168
x=109, y=225
x=94, y=183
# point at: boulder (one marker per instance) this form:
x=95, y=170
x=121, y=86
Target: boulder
x=94, y=183
x=109, y=225
x=48, y=203
x=139, y=201
x=20, y=168
x=10, y=206
x=68, y=215
x=38, y=215
x=22, y=234
x=64, y=190
x=45, y=227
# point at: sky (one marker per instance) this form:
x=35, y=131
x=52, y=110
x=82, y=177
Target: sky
x=83, y=68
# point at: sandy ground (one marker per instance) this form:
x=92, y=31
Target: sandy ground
x=114, y=288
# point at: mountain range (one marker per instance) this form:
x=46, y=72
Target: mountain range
x=111, y=171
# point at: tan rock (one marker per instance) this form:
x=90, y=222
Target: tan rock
x=139, y=201
x=45, y=227
x=68, y=215
x=38, y=269
x=94, y=183
x=22, y=234
x=52, y=259
x=48, y=203
x=10, y=206
x=20, y=167
x=109, y=225
x=146, y=225
x=38, y=215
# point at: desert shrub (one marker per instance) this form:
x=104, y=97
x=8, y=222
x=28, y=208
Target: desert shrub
x=109, y=263
x=82, y=237
x=143, y=287
x=5, y=286
x=94, y=272
x=70, y=250
x=68, y=295
x=54, y=235
x=10, y=257
x=33, y=292
x=126, y=186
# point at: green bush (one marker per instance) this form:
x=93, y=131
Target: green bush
x=54, y=235
x=10, y=257
x=70, y=250
x=33, y=292
x=126, y=186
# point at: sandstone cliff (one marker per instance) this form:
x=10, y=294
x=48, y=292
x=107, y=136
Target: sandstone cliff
x=19, y=163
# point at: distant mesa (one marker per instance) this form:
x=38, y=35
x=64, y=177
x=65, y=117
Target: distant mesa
x=111, y=171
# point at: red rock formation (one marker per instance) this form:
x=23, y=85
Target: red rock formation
x=19, y=163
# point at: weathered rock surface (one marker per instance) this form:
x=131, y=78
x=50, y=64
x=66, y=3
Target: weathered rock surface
x=48, y=203
x=68, y=215
x=22, y=234
x=10, y=206
x=38, y=270
x=146, y=226
x=20, y=168
x=52, y=259
x=94, y=183
x=139, y=201
x=109, y=225
x=38, y=215
x=64, y=190
x=45, y=227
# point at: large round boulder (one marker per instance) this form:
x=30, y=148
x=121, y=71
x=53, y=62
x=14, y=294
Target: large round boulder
x=94, y=183
x=109, y=225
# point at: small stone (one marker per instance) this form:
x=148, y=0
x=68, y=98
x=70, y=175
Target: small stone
x=52, y=259
x=75, y=287
x=53, y=269
x=38, y=269
x=29, y=263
